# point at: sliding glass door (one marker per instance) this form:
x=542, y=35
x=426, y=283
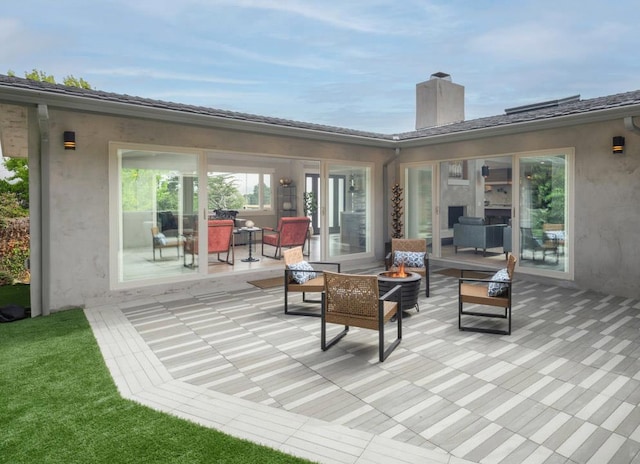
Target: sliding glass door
x=348, y=209
x=419, y=190
x=156, y=208
x=543, y=233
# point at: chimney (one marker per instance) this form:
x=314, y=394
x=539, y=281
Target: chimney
x=439, y=101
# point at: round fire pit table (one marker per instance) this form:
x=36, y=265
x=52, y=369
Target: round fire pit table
x=410, y=287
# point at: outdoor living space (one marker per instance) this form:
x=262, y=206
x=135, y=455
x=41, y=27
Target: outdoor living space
x=562, y=388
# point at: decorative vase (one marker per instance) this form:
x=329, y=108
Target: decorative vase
x=286, y=206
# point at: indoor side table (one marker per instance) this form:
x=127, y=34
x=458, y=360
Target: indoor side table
x=250, y=231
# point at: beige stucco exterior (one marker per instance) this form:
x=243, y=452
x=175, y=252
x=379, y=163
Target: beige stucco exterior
x=71, y=237
x=607, y=196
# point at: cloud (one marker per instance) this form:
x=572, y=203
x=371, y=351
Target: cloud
x=337, y=15
x=165, y=75
x=303, y=60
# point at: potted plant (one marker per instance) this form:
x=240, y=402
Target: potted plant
x=396, y=213
x=310, y=206
x=310, y=203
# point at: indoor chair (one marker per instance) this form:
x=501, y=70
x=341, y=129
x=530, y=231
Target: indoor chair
x=354, y=300
x=160, y=241
x=303, y=277
x=529, y=242
x=480, y=291
x=291, y=232
x=220, y=240
x=413, y=251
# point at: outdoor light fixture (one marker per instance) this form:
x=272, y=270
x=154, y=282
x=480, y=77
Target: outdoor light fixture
x=485, y=171
x=618, y=144
x=69, y=140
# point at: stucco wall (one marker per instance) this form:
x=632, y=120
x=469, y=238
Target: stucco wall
x=607, y=196
x=607, y=193
x=79, y=193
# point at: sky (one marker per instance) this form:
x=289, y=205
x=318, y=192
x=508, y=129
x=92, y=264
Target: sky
x=345, y=63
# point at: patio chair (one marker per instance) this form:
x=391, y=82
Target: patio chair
x=291, y=232
x=529, y=242
x=220, y=240
x=413, y=252
x=495, y=291
x=354, y=300
x=160, y=241
x=554, y=234
x=303, y=277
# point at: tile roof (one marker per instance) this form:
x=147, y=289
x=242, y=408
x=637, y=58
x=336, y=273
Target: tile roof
x=58, y=89
x=562, y=108
x=577, y=107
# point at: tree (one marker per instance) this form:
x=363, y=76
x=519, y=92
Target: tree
x=41, y=76
x=17, y=183
x=223, y=193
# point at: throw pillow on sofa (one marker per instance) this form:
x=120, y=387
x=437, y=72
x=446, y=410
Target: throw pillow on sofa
x=302, y=272
x=497, y=287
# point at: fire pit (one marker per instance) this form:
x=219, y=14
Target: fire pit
x=410, y=282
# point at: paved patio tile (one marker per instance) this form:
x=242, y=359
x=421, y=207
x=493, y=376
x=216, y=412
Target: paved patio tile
x=563, y=388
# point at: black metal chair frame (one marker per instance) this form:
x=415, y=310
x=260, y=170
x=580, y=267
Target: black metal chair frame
x=382, y=352
x=481, y=297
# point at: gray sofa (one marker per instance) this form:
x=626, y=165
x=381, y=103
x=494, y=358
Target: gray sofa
x=472, y=232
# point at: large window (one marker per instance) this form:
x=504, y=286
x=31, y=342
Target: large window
x=349, y=209
x=245, y=190
x=518, y=204
x=157, y=208
x=544, y=236
x=418, y=198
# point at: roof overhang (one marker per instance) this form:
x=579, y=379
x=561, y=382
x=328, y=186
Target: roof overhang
x=15, y=95
x=525, y=126
x=25, y=96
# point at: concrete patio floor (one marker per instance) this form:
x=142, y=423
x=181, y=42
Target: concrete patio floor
x=563, y=388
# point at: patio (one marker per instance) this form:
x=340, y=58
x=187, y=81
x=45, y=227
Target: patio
x=563, y=388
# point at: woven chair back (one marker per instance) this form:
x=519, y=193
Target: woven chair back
x=351, y=295
x=292, y=256
x=511, y=265
x=409, y=244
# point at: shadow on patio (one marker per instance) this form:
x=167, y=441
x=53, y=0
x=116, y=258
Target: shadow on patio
x=564, y=387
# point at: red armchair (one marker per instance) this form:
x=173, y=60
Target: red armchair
x=291, y=232
x=220, y=237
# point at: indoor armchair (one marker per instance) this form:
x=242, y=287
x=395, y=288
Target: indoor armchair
x=291, y=232
x=160, y=241
x=220, y=240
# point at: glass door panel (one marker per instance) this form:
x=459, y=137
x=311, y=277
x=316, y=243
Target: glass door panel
x=349, y=209
x=543, y=213
x=158, y=204
x=418, y=199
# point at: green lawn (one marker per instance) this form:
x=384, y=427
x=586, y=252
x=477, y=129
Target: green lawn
x=59, y=405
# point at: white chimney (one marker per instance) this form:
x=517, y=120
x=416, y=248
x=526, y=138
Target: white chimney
x=439, y=101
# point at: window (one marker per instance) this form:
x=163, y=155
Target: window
x=248, y=190
x=155, y=207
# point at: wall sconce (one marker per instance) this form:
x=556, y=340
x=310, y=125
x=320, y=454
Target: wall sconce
x=485, y=171
x=69, y=140
x=618, y=144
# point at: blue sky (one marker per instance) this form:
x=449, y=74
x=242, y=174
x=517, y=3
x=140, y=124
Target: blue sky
x=347, y=63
